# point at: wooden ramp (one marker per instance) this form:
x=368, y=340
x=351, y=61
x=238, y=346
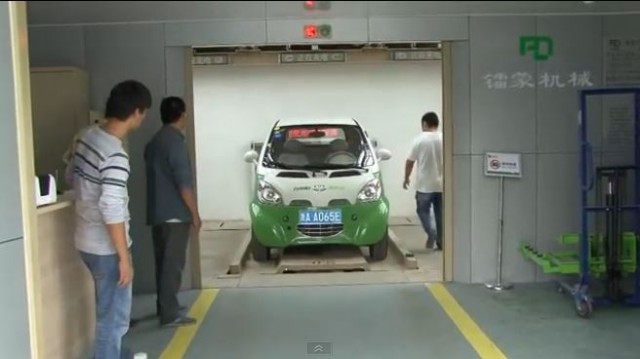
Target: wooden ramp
x=322, y=259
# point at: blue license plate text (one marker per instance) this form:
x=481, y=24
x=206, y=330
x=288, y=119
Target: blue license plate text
x=320, y=216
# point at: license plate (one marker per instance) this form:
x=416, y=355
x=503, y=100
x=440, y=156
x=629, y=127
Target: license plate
x=321, y=216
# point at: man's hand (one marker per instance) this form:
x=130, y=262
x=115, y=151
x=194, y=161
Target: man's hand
x=118, y=235
x=408, y=168
x=197, y=223
x=189, y=198
x=126, y=272
x=406, y=183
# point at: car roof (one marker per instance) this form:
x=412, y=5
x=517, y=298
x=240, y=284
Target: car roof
x=317, y=121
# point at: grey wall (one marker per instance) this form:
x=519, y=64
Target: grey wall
x=49, y=13
x=14, y=327
x=134, y=39
x=538, y=122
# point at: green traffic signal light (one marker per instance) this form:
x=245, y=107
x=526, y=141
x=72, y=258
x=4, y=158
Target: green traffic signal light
x=324, y=31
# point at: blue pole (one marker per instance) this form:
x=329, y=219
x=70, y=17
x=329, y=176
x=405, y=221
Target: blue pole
x=584, y=178
x=636, y=173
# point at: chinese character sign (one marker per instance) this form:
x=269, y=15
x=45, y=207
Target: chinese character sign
x=551, y=81
x=525, y=80
x=522, y=80
x=498, y=81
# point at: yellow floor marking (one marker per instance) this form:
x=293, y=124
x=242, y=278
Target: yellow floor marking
x=183, y=336
x=482, y=344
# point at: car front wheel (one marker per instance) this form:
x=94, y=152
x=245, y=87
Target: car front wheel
x=378, y=251
x=259, y=252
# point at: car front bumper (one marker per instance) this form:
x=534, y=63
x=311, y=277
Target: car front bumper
x=363, y=224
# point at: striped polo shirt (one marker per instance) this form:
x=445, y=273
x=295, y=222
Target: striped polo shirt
x=99, y=171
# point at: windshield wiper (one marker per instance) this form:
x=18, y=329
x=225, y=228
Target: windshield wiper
x=276, y=164
x=334, y=167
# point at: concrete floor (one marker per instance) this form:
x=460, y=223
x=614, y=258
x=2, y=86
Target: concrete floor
x=393, y=321
x=387, y=312
x=219, y=243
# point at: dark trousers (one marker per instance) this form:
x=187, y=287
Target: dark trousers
x=424, y=203
x=170, y=249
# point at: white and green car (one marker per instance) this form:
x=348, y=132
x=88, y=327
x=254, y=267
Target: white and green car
x=318, y=182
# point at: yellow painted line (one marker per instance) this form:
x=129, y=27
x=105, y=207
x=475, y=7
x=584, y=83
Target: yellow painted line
x=183, y=336
x=482, y=344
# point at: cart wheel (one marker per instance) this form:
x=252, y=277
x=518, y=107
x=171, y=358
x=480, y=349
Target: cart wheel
x=584, y=307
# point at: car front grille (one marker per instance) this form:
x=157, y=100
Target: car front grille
x=339, y=202
x=300, y=203
x=320, y=230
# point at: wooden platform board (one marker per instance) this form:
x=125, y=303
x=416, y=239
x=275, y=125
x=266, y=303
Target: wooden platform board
x=320, y=259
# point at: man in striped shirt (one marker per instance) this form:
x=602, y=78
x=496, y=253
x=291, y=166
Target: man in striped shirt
x=99, y=172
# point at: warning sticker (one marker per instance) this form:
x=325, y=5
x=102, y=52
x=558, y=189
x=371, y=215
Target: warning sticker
x=503, y=164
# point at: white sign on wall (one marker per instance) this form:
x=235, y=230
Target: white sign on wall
x=416, y=55
x=619, y=140
x=312, y=57
x=622, y=61
x=503, y=164
x=221, y=59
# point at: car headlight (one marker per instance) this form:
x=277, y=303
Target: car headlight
x=268, y=194
x=372, y=191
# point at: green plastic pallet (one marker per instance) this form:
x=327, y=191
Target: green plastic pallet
x=568, y=262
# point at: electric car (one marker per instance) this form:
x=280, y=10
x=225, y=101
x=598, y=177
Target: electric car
x=318, y=182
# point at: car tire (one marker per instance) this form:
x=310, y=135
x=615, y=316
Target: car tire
x=378, y=251
x=259, y=252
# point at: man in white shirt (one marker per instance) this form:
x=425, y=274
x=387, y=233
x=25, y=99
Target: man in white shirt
x=427, y=152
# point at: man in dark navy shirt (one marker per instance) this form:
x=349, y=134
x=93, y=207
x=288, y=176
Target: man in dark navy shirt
x=171, y=207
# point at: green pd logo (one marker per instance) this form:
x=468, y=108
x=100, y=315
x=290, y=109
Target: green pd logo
x=540, y=46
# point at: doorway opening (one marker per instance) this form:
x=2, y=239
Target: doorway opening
x=239, y=92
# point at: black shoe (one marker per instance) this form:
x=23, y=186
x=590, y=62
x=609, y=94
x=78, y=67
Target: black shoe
x=181, y=308
x=429, y=243
x=180, y=322
x=134, y=322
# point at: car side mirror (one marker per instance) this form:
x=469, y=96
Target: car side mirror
x=251, y=157
x=383, y=154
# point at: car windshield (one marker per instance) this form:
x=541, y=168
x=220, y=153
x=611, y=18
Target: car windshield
x=318, y=147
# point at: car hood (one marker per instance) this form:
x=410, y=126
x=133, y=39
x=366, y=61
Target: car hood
x=318, y=189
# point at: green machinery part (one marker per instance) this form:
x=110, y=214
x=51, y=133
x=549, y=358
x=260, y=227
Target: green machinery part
x=568, y=262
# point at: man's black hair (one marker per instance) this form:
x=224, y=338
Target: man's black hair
x=127, y=97
x=171, y=109
x=431, y=120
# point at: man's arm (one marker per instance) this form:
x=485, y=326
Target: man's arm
x=183, y=179
x=118, y=234
x=69, y=160
x=189, y=198
x=440, y=159
x=408, y=166
x=69, y=167
x=114, y=175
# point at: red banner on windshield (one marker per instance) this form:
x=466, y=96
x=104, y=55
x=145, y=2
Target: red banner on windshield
x=307, y=132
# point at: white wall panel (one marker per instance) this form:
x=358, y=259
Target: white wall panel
x=237, y=105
